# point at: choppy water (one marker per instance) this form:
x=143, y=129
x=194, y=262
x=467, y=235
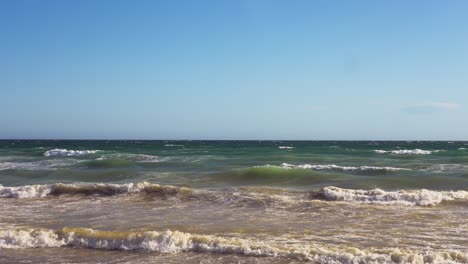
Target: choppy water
x=233, y=201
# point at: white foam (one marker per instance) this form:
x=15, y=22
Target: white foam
x=285, y=147
x=68, y=153
x=27, y=191
x=407, y=151
x=341, y=168
x=176, y=242
x=461, y=148
x=30, y=238
x=421, y=197
x=173, y=145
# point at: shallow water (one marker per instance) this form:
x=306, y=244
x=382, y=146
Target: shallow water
x=233, y=201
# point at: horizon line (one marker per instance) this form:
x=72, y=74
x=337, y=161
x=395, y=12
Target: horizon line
x=133, y=139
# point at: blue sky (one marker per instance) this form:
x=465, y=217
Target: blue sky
x=234, y=69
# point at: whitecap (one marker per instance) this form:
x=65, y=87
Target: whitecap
x=286, y=147
x=68, y=153
x=341, y=168
x=407, y=151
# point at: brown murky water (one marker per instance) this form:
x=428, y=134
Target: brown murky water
x=246, y=225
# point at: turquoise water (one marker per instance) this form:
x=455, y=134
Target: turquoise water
x=238, y=163
x=252, y=201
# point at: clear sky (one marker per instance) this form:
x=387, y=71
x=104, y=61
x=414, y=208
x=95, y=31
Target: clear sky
x=234, y=69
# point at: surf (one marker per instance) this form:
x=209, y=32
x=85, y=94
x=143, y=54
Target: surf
x=174, y=242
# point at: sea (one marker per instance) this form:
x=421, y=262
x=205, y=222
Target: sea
x=138, y=201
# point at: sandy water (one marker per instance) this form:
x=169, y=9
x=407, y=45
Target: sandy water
x=225, y=202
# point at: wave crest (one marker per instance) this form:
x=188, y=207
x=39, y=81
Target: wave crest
x=341, y=168
x=98, y=189
x=286, y=147
x=407, y=151
x=421, y=197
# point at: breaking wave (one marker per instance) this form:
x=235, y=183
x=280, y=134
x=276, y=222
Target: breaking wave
x=178, y=242
x=98, y=189
x=68, y=153
x=420, y=197
x=249, y=196
x=407, y=151
x=285, y=147
x=341, y=168
x=245, y=196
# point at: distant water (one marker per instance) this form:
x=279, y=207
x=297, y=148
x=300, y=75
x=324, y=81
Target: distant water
x=233, y=201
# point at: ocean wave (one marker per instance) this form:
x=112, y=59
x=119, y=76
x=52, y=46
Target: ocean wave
x=272, y=174
x=36, y=165
x=444, y=168
x=242, y=196
x=68, y=153
x=98, y=189
x=236, y=196
x=20, y=165
x=239, y=197
x=173, y=145
x=420, y=197
x=286, y=147
x=341, y=168
x=178, y=242
x=461, y=148
x=407, y=151
x=119, y=160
